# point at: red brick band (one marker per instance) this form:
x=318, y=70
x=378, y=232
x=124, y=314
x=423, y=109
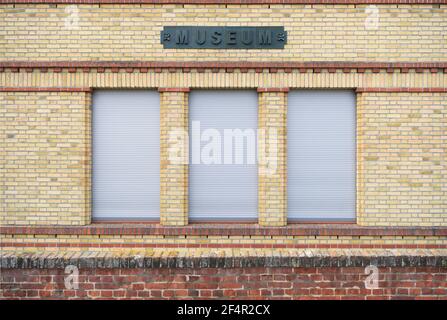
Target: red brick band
x=219, y=245
x=359, y=90
x=419, y=90
x=227, y=230
x=243, y=2
x=173, y=89
x=273, y=89
x=215, y=66
x=43, y=89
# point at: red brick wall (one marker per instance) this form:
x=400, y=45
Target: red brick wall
x=218, y=283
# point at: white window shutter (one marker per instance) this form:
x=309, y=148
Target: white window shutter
x=321, y=168
x=126, y=154
x=223, y=191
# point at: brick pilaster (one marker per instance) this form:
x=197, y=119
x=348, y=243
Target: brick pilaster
x=174, y=156
x=272, y=144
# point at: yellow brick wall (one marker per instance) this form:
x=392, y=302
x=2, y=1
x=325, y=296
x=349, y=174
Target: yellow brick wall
x=403, y=153
x=272, y=177
x=45, y=136
x=45, y=141
x=132, y=32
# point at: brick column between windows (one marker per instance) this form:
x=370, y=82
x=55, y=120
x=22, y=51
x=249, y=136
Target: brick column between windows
x=272, y=148
x=173, y=156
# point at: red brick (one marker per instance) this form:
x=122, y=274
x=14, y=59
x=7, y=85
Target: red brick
x=106, y=293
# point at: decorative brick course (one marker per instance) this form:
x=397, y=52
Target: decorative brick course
x=224, y=2
x=414, y=90
x=120, y=236
x=311, y=230
x=194, y=243
x=209, y=79
x=42, y=89
x=245, y=66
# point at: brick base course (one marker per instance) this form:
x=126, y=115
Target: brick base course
x=227, y=283
x=343, y=277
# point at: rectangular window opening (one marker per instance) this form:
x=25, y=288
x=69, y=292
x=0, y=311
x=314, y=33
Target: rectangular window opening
x=321, y=138
x=223, y=164
x=126, y=155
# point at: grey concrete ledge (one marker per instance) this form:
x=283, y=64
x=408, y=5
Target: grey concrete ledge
x=17, y=262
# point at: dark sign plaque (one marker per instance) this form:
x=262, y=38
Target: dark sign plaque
x=188, y=37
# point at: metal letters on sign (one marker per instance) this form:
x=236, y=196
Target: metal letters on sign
x=188, y=37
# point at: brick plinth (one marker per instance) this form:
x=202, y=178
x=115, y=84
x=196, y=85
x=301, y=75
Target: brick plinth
x=403, y=277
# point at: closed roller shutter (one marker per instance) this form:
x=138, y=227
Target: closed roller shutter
x=222, y=191
x=126, y=156
x=321, y=155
